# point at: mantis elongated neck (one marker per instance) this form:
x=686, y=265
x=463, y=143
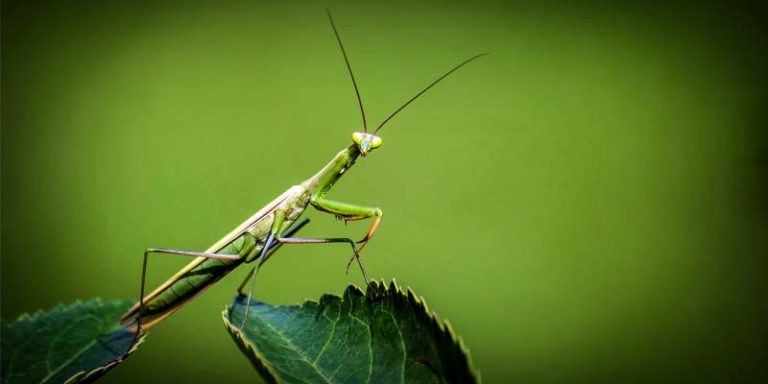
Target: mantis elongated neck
x=324, y=180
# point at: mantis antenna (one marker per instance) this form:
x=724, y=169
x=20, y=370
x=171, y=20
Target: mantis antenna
x=349, y=67
x=357, y=91
x=463, y=63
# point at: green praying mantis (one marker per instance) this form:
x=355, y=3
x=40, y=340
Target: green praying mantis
x=258, y=237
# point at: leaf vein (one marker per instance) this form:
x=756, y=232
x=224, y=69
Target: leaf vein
x=298, y=351
x=75, y=356
x=370, y=345
x=402, y=344
x=327, y=342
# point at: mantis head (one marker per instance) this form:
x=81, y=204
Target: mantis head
x=366, y=142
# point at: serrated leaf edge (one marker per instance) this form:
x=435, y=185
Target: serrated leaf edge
x=418, y=302
x=84, y=376
x=444, y=326
x=240, y=339
x=26, y=316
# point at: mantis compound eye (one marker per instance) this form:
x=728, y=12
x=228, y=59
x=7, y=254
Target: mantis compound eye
x=366, y=142
x=376, y=141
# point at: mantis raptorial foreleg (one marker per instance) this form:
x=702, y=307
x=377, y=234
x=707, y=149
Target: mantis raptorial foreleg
x=351, y=212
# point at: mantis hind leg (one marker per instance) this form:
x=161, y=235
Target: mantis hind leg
x=166, y=251
x=149, y=251
x=244, y=253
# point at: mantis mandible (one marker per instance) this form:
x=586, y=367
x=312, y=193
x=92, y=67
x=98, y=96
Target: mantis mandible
x=256, y=239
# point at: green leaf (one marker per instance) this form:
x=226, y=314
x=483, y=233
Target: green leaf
x=382, y=336
x=77, y=343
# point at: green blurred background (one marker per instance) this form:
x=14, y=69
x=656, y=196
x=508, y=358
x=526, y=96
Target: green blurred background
x=585, y=204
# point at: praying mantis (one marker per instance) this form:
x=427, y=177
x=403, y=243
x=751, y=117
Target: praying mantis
x=259, y=236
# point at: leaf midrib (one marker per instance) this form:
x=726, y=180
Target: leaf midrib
x=70, y=360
